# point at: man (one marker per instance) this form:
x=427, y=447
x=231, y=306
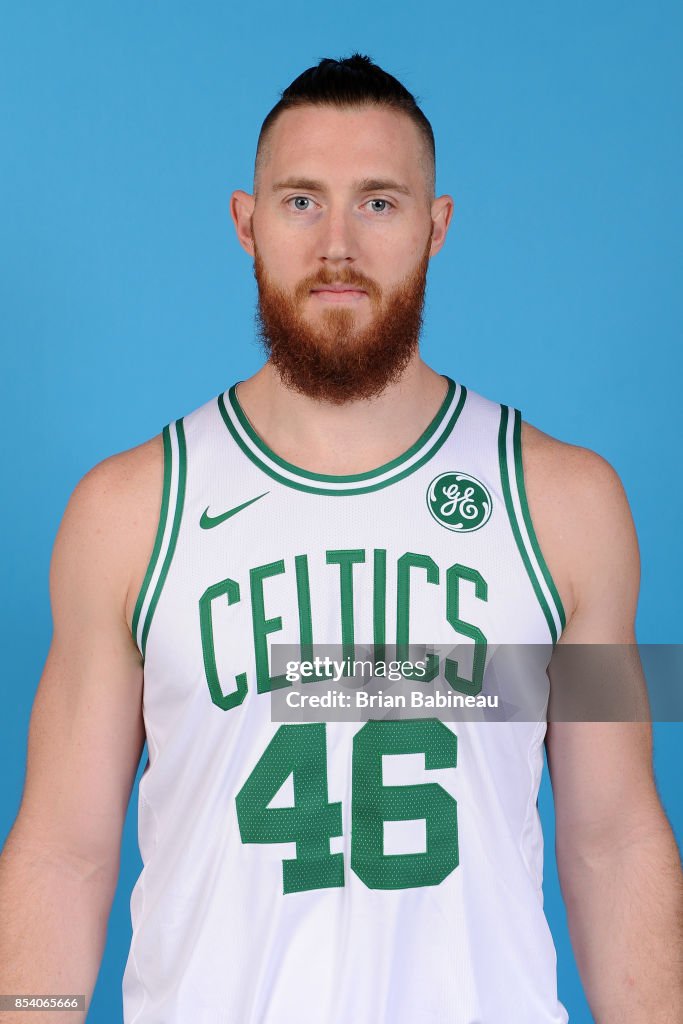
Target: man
x=345, y=493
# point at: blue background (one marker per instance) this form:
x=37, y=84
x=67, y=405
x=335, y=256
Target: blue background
x=126, y=300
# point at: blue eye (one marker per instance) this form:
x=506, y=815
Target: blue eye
x=299, y=199
x=386, y=203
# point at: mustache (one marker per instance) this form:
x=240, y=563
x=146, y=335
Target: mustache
x=352, y=278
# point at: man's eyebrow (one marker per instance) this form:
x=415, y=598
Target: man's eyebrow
x=363, y=185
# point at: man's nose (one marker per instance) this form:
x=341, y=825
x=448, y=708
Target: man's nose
x=338, y=236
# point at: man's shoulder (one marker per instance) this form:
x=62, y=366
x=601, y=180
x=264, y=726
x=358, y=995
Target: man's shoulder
x=117, y=505
x=114, y=486
x=113, y=513
x=579, y=508
x=573, y=465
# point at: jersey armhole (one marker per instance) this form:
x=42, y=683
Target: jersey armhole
x=512, y=477
x=172, y=499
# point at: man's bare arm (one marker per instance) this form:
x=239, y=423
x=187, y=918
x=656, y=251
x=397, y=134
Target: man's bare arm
x=59, y=866
x=618, y=862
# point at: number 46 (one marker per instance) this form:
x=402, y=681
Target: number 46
x=301, y=751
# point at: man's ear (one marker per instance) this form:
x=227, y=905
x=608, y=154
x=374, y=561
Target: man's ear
x=241, y=210
x=442, y=211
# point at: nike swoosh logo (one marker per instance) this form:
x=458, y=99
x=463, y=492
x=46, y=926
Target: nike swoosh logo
x=207, y=522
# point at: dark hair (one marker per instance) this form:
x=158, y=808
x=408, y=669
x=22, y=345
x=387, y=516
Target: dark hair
x=350, y=82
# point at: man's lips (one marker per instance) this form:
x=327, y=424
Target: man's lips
x=338, y=292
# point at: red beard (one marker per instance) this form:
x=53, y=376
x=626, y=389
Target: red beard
x=334, y=361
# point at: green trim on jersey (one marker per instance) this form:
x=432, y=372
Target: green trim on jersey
x=173, y=497
x=161, y=526
x=358, y=483
x=514, y=492
x=517, y=443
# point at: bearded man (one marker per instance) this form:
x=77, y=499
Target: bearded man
x=329, y=872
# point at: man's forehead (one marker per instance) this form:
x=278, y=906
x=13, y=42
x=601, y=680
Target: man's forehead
x=316, y=141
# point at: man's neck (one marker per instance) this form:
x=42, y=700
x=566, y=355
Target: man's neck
x=325, y=438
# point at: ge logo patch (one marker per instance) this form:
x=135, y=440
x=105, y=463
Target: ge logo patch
x=459, y=502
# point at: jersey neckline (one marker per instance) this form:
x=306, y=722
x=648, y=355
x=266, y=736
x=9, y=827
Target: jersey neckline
x=429, y=442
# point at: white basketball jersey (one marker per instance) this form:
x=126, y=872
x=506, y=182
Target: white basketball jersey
x=338, y=872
